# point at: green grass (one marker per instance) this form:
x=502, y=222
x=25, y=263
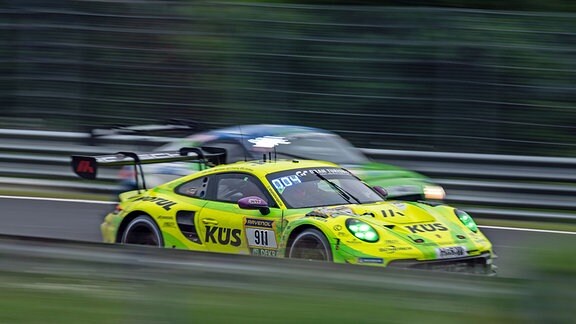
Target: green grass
x=49, y=299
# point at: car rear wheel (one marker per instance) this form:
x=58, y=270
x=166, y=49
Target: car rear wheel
x=142, y=230
x=311, y=244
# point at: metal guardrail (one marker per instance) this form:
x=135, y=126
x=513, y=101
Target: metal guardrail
x=491, y=186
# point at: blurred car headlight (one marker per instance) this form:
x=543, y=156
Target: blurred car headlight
x=434, y=192
x=466, y=220
x=362, y=230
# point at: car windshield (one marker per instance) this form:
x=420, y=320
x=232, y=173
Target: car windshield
x=319, y=146
x=315, y=187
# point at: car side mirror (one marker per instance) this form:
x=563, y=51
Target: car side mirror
x=381, y=191
x=254, y=202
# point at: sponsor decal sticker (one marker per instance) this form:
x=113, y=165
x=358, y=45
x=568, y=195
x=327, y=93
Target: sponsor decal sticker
x=371, y=260
x=260, y=233
x=451, y=252
x=223, y=235
x=423, y=228
x=169, y=224
x=312, y=172
x=164, y=203
x=85, y=166
x=391, y=213
x=283, y=182
x=259, y=223
x=393, y=249
x=264, y=252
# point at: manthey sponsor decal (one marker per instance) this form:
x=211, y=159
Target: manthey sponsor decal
x=398, y=211
x=162, y=202
x=261, y=236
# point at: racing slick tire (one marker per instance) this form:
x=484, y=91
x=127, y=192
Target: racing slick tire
x=142, y=230
x=311, y=244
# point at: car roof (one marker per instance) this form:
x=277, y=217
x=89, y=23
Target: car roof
x=261, y=168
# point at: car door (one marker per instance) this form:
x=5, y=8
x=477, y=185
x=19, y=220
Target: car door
x=225, y=227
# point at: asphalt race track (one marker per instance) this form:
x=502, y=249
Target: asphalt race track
x=80, y=220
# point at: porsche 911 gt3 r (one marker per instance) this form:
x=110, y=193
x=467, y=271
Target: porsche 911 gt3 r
x=295, y=209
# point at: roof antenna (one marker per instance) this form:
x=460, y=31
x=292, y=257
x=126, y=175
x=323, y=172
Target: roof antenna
x=242, y=141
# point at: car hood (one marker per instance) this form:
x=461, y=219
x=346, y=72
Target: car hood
x=408, y=219
x=389, y=212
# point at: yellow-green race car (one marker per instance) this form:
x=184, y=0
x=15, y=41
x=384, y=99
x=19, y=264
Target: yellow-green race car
x=291, y=209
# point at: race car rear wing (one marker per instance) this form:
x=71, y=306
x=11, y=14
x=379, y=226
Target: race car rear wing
x=169, y=126
x=87, y=166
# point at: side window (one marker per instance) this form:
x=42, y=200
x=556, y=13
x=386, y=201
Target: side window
x=231, y=187
x=196, y=188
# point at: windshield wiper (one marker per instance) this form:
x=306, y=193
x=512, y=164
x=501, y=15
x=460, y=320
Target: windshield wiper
x=343, y=193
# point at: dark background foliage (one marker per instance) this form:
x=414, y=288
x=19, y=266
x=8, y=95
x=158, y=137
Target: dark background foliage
x=469, y=76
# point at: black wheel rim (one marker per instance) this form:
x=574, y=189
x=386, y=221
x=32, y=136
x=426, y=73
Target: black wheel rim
x=141, y=234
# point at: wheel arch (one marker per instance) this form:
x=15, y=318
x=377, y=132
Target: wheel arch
x=295, y=232
x=127, y=219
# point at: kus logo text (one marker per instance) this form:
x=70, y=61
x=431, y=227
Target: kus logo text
x=423, y=228
x=223, y=235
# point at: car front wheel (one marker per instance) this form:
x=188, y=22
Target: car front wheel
x=311, y=244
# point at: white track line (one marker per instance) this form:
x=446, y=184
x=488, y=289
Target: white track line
x=526, y=229
x=82, y=201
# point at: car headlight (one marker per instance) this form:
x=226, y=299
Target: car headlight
x=466, y=220
x=362, y=230
x=434, y=192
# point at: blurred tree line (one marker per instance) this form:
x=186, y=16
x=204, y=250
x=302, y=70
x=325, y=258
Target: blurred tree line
x=385, y=74
x=531, y=5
